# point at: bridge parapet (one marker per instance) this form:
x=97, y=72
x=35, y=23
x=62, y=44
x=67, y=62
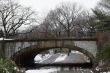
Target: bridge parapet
x=13, y=46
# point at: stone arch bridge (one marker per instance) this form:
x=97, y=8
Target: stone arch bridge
x=24, y=51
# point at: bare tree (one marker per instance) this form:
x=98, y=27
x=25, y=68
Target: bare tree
x=13, y=16
x=66, y=18
x=65, y=21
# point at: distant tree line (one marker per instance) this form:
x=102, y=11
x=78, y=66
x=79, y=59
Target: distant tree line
x=71, y=20
x=66, y=20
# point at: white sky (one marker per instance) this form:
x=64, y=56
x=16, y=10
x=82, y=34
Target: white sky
x=43, y=6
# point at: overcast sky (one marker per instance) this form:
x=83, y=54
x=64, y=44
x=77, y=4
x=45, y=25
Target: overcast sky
x=43, y=6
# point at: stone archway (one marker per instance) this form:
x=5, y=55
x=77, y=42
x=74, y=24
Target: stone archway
x=25, y=57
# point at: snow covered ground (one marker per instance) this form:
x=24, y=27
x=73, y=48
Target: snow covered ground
x=50, y=70
x=40, y=58
x=5, y=39
x=62, y=57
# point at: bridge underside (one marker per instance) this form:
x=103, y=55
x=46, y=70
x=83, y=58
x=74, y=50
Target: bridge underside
x=25, y=57
x=81, y=65
x=63, y=65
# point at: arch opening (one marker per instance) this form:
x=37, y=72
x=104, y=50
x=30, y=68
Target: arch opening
x=62, y=58
x=25, y=57
x=61, y=54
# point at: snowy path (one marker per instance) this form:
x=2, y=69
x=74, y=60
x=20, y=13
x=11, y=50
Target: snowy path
x=50, y=59
x=61, y=58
